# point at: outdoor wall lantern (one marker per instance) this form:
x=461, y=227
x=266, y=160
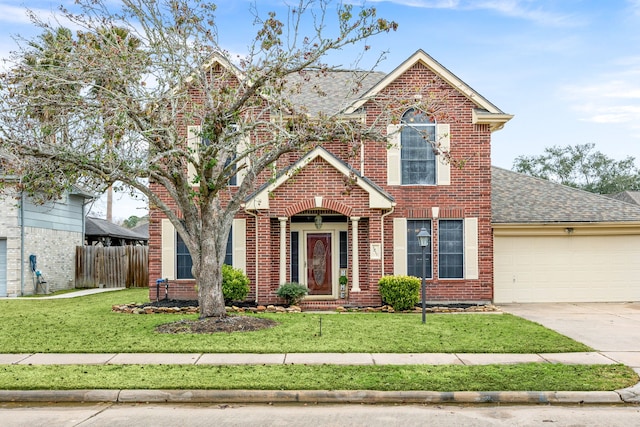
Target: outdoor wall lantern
x=318, y=221
x=423, y=241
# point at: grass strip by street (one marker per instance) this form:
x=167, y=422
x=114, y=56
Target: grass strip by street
x=522, y=377
x=87, y=325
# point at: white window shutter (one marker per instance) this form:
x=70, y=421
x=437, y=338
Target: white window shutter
x=193, y=143
x=393, y=155
x=399, y=246
x=471, y=248
x=443, y=165
x=239, y=244
x=168, y=250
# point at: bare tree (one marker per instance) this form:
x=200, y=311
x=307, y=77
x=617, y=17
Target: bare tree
x=143, y=74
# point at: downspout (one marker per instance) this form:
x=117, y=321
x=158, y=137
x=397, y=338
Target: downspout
x=255, y=216
x=362, y=158
x=84, y=218
x=382, y=218
x=21, y=242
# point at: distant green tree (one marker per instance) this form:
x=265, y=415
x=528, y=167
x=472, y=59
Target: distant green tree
x=131, y=222
x=582, y=167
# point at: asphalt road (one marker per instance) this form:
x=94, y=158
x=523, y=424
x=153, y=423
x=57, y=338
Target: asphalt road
x=143, y=415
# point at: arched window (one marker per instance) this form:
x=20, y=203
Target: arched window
x=417, y=139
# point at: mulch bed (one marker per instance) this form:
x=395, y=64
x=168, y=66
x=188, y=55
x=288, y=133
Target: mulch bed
x=211, y=325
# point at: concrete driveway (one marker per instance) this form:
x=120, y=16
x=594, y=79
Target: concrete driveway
x=607, y=327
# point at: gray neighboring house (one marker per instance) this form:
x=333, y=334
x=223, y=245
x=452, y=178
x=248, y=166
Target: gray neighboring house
x=554, y=243
x=50, y=231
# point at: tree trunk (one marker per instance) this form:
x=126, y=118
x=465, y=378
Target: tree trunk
x=210, y=295
x=208, y=271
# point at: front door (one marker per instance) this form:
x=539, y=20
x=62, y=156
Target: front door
x=319, y=263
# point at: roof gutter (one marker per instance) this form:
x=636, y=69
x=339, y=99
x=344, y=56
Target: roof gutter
x=566, y=228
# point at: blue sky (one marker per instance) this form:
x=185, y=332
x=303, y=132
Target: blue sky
x=568, y=70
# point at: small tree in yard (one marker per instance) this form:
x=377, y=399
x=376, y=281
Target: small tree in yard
x=111, y=103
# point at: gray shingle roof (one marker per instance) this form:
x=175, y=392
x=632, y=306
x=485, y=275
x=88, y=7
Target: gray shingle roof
x=518, y=198
x=103, y=228
x=330, y=92
x=627, y=196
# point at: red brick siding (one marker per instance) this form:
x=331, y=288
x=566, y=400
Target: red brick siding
x=469, y=195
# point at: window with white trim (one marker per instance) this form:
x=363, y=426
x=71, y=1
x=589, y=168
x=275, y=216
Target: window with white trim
x=417, y=156
x=184, y=263
x=414, y=250
x=450, y=249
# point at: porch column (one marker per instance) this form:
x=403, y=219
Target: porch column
x=283, y=249
x=355, y=268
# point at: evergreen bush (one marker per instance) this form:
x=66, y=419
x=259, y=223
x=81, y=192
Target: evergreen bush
x=292, y=292
x=400, y=292
x=235, y=284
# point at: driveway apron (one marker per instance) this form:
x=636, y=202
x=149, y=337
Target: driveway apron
x=606, y=327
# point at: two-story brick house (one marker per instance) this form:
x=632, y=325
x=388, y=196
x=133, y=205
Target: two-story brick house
x=328, y=216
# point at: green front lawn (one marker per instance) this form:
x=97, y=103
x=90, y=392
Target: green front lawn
x=530, y=377
x=87, y=325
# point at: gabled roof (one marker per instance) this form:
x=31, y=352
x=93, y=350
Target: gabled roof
x=346, y=91
x=378, y=198
x=519, y=198
x=627, y=196
x=142, y=229
x=102, y=228
x=486, y=112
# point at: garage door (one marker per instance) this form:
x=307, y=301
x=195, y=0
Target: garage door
x=566, y=269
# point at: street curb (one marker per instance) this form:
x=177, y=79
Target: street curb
x=314, y=396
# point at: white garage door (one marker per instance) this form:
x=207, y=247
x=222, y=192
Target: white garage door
x=566, y=269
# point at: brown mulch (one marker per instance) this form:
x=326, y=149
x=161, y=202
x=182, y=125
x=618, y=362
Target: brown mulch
x=213, y=325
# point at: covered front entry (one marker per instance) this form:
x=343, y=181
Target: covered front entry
x=319, y=253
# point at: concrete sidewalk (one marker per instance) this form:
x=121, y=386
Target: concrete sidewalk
x=631, y=359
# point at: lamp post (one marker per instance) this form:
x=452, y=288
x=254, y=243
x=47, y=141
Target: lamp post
x=423, y=241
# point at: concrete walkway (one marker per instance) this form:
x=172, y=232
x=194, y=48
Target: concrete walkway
x=74, y=294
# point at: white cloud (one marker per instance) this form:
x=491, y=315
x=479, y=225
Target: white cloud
x=634, y=5
x=13, y=14
x=617, y=114
x=613, y=98
x=522, y=9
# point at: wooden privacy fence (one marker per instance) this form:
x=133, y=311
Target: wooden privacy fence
x=112, y=267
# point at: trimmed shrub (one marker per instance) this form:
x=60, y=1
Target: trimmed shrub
x=400, y=292
x=235, y=284
x=292, y=292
